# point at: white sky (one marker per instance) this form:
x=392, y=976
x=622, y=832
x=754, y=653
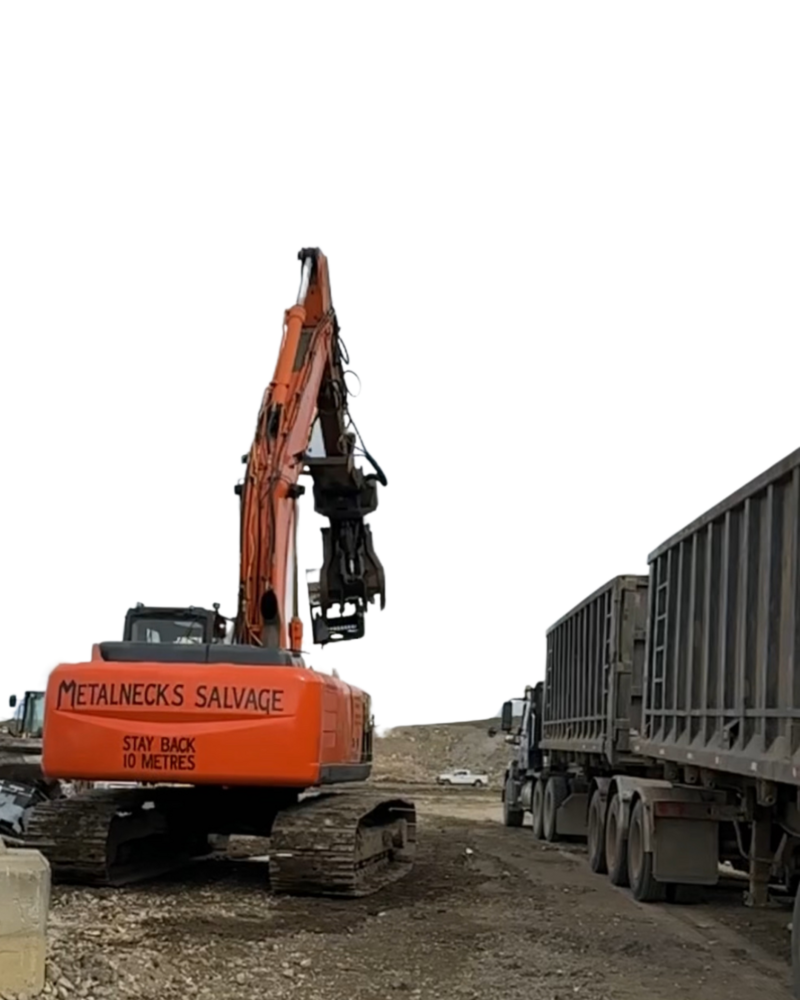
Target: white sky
x=563, y=242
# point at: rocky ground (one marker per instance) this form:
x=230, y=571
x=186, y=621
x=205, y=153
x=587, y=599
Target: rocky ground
x=487, y=912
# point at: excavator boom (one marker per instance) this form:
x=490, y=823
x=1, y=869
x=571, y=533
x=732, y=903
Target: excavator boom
x=307, y=393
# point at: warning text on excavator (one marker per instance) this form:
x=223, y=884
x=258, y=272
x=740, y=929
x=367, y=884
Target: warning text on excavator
x=162, y=753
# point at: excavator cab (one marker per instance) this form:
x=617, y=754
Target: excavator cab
x=188, y=626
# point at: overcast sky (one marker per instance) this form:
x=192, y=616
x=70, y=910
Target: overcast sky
x=563, y=243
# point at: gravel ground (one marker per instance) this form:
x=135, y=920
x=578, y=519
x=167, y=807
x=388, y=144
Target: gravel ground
x=487, y=912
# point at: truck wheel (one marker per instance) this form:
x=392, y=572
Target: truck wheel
x=537, y=809
x=596, y=834
x=555, y=792
x=511, y=816
x=477, y=784
x=616, y=846
x=640, y=862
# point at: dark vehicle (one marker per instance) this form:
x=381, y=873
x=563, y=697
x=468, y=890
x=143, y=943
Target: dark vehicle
x=22, y=784
x=28, y=718
x=666, y=729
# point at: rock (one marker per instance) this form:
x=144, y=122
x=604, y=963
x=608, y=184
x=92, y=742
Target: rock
x=24, y=907
x=289, y=973
x=241, y=978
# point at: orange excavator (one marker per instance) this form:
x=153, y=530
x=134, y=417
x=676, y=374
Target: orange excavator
x=216, y=727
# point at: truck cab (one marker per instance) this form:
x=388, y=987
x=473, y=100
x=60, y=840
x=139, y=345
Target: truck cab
x=525, y=738
x=527, y=735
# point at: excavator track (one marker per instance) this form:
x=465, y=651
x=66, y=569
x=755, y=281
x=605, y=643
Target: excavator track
x=113, y=836
x=346, y=844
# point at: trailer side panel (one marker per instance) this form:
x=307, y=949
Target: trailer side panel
x=594, y=673
x=722, y=682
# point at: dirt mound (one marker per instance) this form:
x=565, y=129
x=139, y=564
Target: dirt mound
x=419, y=753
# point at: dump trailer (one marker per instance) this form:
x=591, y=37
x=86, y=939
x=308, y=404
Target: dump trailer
x=576, y=726
x=669, y=716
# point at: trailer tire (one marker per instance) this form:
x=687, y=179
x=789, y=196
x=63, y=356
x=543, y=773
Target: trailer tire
x=644, y=887
x=511, y=816
x=616, y=844
x=597, y=834
x=537, y=809
x=556, y=790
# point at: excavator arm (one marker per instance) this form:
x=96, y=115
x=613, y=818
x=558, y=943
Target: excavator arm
x=307, y=394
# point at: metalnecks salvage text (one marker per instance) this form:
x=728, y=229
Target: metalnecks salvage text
x=265, y=701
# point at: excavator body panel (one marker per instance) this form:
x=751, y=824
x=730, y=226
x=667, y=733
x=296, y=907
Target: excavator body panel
x=202, y=723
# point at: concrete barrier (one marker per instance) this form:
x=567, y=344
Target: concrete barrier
x=24, y=904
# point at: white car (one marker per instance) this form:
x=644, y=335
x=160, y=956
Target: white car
x=463, y=777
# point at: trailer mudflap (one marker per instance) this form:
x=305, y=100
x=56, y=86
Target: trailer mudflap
x=685, y=851
x=682, y=832
x=571, y=815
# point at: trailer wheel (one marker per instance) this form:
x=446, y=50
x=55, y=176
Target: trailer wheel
x=640, y=862
x=615, y=842
x=555, y=792
x=511, y=816
x=596, y=834
x=537, y=809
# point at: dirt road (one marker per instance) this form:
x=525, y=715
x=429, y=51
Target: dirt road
x=487, y=913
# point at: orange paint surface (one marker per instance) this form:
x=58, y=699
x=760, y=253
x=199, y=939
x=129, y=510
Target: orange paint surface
x=199, y=724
